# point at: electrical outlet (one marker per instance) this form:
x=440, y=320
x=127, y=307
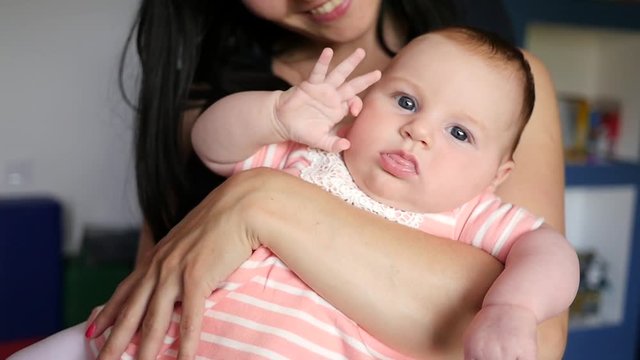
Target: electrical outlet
x=18, y=173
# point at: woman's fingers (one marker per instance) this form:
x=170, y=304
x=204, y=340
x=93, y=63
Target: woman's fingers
x=91, y=319
x=110, y=311
x=193, y=304
x=157, y=319
x=128, y=320
x=145, y=300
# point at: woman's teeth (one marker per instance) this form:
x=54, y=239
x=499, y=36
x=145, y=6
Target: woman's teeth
x=326, y=7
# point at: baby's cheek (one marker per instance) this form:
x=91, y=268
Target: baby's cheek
x=344, y=128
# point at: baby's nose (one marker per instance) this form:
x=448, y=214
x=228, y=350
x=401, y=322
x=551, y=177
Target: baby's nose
x=417, y=131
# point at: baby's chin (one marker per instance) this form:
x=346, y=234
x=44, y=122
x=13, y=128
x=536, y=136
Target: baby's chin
x=418, y=203
x=387, y=195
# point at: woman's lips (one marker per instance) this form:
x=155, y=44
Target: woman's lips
x=399, y=164
x=330, y=10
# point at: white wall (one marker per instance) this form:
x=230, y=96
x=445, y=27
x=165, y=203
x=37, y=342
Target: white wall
x=598, y=64
x=64, y=128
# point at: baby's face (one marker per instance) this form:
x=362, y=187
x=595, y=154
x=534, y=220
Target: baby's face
x=436, y=130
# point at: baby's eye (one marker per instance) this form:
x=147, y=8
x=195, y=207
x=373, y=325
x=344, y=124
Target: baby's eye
x=459, y=133
x=406, y=102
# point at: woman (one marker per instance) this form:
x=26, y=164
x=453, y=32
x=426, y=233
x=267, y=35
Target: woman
x=417, y=296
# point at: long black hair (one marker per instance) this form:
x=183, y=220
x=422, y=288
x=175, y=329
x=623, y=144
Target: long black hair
x=194, y=52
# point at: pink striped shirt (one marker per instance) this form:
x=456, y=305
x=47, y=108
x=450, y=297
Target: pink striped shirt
x=264, y=311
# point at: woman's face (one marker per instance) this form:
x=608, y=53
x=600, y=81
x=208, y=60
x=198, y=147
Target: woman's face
x=326, y=21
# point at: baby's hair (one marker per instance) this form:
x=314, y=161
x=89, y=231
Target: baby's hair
x=495, y=49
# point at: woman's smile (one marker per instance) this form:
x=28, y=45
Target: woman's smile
x=330, y=10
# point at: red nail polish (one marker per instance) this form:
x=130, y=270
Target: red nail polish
x=90, y=330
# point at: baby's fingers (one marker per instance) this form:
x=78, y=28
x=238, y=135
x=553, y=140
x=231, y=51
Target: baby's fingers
x=334, y=143
x=359, y=84
x=355, y=105
x=337, y=77
x=322, y=65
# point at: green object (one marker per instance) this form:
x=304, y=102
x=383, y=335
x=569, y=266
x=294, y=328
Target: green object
x=87, y=286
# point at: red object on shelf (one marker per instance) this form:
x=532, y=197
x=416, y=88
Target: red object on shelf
x=611, y=121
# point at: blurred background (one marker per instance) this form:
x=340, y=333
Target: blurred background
x=68, y=209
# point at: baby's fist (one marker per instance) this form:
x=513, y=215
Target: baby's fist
x=501, y=332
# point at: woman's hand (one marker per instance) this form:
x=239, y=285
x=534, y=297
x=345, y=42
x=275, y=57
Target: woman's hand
x=187, y=265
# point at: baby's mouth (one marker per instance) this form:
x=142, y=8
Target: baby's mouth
x=399, y=164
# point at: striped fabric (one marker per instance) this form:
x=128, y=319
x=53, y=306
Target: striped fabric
x=264, y=311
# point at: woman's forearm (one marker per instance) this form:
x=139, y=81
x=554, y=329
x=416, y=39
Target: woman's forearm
x=537, y=184
x=537, y=181
x=412, y=291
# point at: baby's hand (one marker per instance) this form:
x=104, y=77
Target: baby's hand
x=308, y=113
x=501, y=332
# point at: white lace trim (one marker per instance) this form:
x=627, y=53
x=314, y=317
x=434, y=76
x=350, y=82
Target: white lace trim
x=328, y=171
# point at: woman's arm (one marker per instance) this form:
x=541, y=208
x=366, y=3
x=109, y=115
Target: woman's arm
x=411, y=290
x=537, y=183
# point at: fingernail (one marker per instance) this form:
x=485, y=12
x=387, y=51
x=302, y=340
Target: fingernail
x=90, y=330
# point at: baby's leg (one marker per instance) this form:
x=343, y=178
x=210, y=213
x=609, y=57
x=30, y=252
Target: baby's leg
x=67, y=344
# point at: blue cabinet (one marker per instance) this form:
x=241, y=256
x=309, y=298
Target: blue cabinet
x=600, y=13
x=30, y=268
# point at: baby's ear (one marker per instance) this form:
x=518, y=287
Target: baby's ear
x=503, y=173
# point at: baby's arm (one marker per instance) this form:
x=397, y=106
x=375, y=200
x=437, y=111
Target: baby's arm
x=236, y=126
x=539, y=281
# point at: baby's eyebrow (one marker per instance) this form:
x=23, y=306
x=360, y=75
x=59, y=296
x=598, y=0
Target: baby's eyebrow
x=477, y=123
x=406, y=84
x=397, y=78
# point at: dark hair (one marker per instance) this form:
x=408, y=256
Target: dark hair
x=192, y=52
x=497, y=50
